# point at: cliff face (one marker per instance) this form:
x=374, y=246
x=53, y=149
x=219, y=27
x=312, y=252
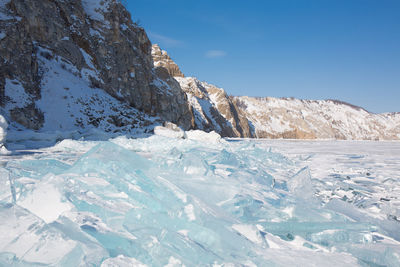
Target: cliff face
x=162, y=59
x=89, y=58
x=213, y=110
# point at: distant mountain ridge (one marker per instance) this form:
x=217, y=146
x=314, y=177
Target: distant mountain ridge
x=77, y=65
x=268, y=117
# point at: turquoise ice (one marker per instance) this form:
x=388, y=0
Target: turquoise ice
x=168, y=202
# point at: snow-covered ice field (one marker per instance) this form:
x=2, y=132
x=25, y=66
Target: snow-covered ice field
x=160, y=201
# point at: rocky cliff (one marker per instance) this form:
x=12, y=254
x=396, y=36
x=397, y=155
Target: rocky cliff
x=213, y=110
x=162, y=59
x=67, y=64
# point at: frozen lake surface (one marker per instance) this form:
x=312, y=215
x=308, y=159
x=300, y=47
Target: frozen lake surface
x=159, y=201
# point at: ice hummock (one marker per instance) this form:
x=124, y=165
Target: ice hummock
x=162, y=201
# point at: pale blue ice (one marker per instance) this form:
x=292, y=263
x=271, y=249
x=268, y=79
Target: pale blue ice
x=159, y=201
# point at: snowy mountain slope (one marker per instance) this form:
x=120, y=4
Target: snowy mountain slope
x=322, y=119
x=75, y=65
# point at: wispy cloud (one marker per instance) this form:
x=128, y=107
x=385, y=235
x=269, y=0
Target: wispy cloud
x=164, y=40
x=215, y=53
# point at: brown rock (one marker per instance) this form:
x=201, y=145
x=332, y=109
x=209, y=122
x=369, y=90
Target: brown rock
x=162, y=59
x=113, y=48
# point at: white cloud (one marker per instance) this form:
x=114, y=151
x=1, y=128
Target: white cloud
x=215, y=53
x=164, y=40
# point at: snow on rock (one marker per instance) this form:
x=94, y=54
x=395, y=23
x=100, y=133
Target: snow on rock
x=201, y=136
x=4, y=150
x=173, y=131
x=3, y=134
x=3, y=129
x=169, y=130
x=163, y=131
x=96, y=8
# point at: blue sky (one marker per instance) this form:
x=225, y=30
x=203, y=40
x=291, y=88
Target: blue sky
x=311, y=49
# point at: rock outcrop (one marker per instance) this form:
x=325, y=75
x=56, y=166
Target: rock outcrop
x=75, y=50
x=162, y=59
x=213, y=109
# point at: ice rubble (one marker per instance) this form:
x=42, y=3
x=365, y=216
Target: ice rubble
x=161, y=201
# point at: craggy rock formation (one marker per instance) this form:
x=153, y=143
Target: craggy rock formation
x=213, y=109
x=162, y=59
x=69, y=49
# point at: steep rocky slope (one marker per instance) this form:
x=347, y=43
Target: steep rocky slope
x=213, y=110
x=71, y=64
x=162, y=59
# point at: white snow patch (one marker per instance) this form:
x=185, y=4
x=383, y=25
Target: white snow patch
x=16, y=93
x=202, y=136
x=171, y=133
x=95, y=8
